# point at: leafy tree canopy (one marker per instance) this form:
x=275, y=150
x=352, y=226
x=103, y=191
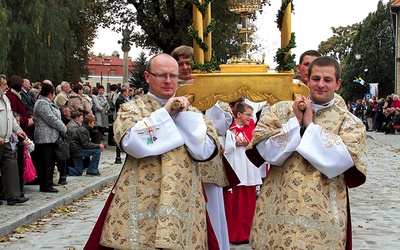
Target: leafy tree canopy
x=164, y=25
x=373, y=39
x=48, y=39
x=340, y=43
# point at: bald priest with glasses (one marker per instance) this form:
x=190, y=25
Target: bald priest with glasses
x=158, y=200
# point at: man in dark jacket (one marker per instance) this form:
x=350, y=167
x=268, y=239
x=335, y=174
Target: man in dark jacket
x=65, y=114
x=81, y=145
x=62, y=164
x=26, y=98
x=122, y=98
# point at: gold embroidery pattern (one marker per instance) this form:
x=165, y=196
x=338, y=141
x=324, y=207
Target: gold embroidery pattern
x=150, y=131
x=281, y=141
x=298, y=207
x=329, y=138
x=159, y=201
x=203, y=138
x=213, y=171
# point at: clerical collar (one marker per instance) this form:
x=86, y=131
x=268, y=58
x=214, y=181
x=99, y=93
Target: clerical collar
x=316, y=107
x=161, y=100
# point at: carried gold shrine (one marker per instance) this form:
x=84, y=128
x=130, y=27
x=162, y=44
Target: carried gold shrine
x=244, y=77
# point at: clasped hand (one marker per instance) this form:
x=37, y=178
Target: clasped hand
x=182, y=100
x=304, y=117
x=240, y=141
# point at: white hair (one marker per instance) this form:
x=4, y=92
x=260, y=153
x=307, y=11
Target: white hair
x=64, y=84
x=58, y=89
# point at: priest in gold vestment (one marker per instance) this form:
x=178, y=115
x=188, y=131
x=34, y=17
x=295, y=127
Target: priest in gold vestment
x=315, y=155
x=159, y=201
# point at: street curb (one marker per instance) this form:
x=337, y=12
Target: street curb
x=370, y=136
x=32, y=216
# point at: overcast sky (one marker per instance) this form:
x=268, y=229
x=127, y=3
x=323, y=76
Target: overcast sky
x=311, y=22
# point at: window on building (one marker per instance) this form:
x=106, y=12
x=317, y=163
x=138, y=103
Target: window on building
x=112, y=73
x=91, y=72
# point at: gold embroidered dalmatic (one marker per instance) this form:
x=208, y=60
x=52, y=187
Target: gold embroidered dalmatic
x=159, y=201
x=213, y=171
x=299, y=207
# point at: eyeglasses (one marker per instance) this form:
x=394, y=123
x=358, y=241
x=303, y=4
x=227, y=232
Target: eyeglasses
x=163, y=77
x=249, y=115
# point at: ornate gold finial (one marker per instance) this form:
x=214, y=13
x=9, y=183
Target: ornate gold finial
x=244, y=8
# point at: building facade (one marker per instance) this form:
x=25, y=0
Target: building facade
x=395, y=8
x=106, y=70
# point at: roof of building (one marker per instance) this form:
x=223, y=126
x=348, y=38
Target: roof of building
x=396, y=3
x=108, y=60
x=395, y=8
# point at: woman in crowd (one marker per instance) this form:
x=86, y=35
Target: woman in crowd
x=76, y=102
x=87, y=99
x=396, y=102
x=139, y=93
x=34, y=93
x=388, y=102
x=15, y=83
x=37, y=86
x=48, y=128
x=101, y=108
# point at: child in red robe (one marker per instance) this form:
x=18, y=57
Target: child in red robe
x=240, y=201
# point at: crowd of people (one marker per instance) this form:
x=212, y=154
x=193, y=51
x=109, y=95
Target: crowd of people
x=190, y=178
x=379, y=115
x=40, y=114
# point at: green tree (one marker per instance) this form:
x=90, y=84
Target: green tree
x=226, y=41
x=5, y=38
x=137, y=79
x=340, y=43
x=164, y=25
x=83, y=27
x=51, y=39
x=373, y=40
x=375, y=43
x=38, y=30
